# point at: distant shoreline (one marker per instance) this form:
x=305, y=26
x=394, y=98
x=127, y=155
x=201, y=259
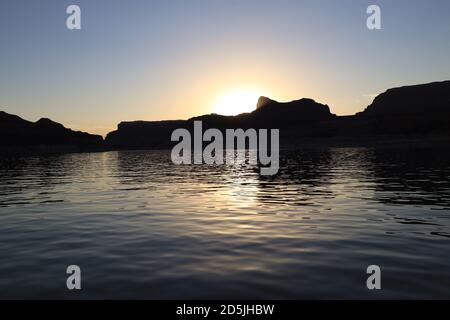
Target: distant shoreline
x=399, y=143
x=410, y=115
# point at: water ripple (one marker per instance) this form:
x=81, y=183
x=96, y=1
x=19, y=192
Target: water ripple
x=141, y=227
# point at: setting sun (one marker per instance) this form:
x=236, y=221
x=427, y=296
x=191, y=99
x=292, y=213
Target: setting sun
x=236, y=102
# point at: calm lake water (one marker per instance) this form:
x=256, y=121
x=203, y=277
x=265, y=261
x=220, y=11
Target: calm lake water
x=141, y=227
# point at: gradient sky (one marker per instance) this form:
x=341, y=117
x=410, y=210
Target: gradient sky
x=168, y=59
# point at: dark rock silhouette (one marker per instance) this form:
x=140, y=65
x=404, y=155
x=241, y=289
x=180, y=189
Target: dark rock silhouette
x=410, y=111
x=303, y=117
x=419, y=112
x=411, y=114
x=264, y=101
x=44, y=135
x=430, y=101
x=143, y=134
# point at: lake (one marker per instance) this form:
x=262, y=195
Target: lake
x=141, y=227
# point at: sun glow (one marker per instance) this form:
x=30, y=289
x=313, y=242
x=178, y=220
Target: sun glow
x=236, y=102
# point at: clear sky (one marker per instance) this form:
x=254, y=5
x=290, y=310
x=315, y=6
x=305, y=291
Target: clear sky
x=169, y=59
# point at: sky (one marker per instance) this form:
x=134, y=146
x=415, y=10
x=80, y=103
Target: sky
x=170, y=59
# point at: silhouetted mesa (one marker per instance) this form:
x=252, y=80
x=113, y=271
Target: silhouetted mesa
x=303, y=117
x=430, y=101
x=411, y=113
x=45, y=135
x=143, y=134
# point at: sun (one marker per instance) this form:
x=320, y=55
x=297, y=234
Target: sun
x=236, y=101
